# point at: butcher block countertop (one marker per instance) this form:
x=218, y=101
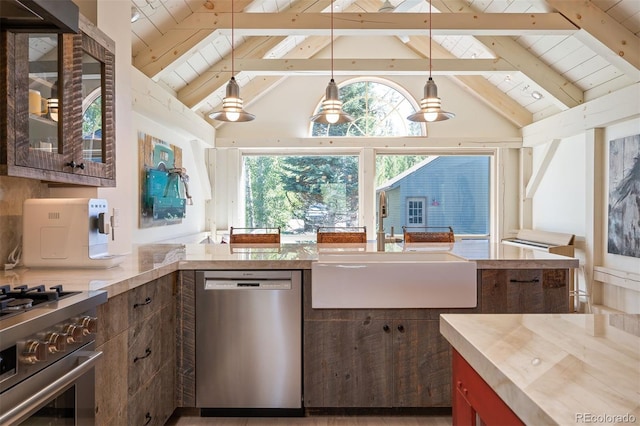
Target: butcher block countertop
x=150, y=261
x=555, y=368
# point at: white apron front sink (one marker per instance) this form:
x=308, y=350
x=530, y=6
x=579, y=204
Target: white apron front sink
x=393, y=280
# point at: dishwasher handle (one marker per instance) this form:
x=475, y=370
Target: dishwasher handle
x=245, y=284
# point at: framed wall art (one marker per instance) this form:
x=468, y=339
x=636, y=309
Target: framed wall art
x=624, y=197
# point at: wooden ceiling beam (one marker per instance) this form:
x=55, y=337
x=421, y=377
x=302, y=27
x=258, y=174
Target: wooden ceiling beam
x=183, y=39
x=566, y=94
x=553, y=85
x=603, y=35
x=201, y=26
x=289, y=66
x=345, y=23
x=196, y=92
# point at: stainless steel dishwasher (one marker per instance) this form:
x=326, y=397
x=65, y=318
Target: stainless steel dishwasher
x=249, y=342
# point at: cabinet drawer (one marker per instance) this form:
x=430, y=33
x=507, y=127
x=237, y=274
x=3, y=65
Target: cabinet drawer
x=525, y=290
x=153, y=404
x=144, y=355
x=149, y=298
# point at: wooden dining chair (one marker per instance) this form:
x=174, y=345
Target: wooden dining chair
x=336, y=235
x=427, y=236
x=254, y=235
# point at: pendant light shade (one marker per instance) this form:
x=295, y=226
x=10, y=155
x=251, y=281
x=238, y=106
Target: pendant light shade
x=430, y=105
x=331, y=108
x=232, y=105
x=430, y=109
x=232, y=109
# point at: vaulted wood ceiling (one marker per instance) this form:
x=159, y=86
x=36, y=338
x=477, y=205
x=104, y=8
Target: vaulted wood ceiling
x=568, y=51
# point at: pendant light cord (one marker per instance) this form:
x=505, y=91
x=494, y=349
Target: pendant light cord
x=331, y=7
x=232, y=43
x=430, y=40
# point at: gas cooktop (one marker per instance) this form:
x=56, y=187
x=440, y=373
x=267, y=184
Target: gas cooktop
x=25, y=309
x=23, y=298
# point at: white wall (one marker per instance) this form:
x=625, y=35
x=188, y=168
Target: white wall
x=572, y=198
x=559, y=203
x=284, y=111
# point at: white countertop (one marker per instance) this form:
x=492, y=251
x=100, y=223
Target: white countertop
x=150, y=261
x=555, y=368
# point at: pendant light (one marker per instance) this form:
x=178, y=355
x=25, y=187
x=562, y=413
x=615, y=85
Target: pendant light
x=430, y=109
x=331, y=108
x=386, y=7
x=232, y=102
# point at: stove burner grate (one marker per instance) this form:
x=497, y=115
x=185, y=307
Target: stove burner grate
x=22, y=298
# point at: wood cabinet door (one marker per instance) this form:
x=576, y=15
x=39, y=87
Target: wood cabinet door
x=421, y=365
x=58, y=123
x=43, y=153
x=348, y=363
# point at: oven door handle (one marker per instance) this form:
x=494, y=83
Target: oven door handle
x=87, y=361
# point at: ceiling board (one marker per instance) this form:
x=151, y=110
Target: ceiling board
x=166, y=48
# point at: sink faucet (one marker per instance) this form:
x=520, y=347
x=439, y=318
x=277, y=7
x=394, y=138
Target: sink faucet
x=382, y=213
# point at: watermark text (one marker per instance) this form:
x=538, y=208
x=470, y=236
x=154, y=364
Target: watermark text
x=605, y=418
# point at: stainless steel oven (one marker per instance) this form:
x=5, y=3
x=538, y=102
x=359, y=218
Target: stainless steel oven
x=47, y=357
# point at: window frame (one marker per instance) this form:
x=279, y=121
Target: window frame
x=423, y=216
x=366, y=187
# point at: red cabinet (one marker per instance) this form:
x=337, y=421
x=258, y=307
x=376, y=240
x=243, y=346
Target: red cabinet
x=474, y=402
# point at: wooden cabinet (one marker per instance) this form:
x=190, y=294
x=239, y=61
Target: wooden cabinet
x=374, y=357
x=376, y=363
x=347, y=364
x=135, y=380
x=525, y=290
x=397, y=357
x=474, y=401
x=58, y=123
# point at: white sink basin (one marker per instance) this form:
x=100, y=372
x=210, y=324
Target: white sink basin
x=393, y=280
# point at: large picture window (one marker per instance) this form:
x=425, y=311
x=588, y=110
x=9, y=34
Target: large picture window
x=300, y=193
x=436, y=191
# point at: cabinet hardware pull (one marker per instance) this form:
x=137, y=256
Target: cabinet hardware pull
x=385, y=328
x=535, y=280
x=146, y=302
x=148, y=417
x=147, y=352
x=75, y=165
x=401, y=328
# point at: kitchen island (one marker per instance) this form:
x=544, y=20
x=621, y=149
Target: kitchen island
x=547, y=369
x=147, y=262
x=146, y=329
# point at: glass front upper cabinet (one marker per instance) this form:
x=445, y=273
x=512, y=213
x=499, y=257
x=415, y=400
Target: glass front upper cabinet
x=58, y=123
x=92, y=74
x=44, y=103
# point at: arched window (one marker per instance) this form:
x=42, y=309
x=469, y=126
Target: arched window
x=378, y=110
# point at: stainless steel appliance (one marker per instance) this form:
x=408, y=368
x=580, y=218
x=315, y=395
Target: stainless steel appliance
x=249, y=342
x=46, y=355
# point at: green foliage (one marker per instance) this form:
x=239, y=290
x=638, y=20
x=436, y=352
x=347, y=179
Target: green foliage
x=281, y=189
x=92, y=117
x=390, y=166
